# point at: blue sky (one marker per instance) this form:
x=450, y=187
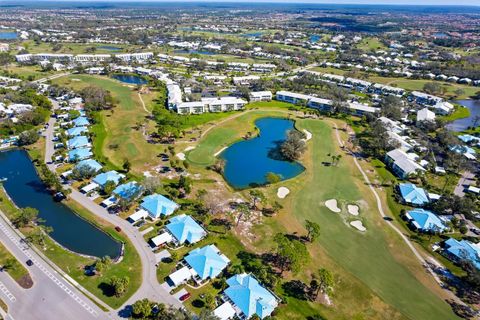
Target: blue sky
x=411, y=2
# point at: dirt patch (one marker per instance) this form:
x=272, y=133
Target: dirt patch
x=25, y=282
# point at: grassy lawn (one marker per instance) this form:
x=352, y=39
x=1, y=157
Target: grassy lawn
x=80, y=48
x=74, y=264
x=371, y=44
x=16, y=270
x=459, y=113
x=117, y=131
x=366, y=255
x=375, y=266
x=26, y=72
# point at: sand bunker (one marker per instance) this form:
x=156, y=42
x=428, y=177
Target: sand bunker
x=282, y=192
x=357, y=224
x=181, y=156
x=353, y=209
x=189, y=148
x=219, y=151
x=308, y=135
x=332, y=205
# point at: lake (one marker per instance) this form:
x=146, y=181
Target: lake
x=71, y=231
x=8, y=35
x=109, y=48
x=248, y=161
x=463, y=124
x=204, y=52
x=129, y=78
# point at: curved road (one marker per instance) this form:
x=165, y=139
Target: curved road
x=150, y=287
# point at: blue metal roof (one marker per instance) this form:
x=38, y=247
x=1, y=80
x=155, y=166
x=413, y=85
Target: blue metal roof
x=103, y=178
x=158, y=205
x=81, y=121
x=89, y=163
x=185, y=229
x=78, y=142
x=76, y=131
x=426, y=220
x=249, y=296
x=413, y=194
x=207, y=261
x=464, y=250
x=79, y=154
x=128, y=190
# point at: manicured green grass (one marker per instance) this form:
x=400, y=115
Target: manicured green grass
x=26, y=72
x=459, y=113
x=118, y=136
x=370, y=44
x=365, y=255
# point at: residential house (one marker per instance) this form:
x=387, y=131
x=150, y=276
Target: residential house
x=249, y=297
x=260, y=96
x=425, y=221
x=402, y=165
x=207, y=262
x=413, y=195
x=185, y=230
x=463, y=250
x=157, y=205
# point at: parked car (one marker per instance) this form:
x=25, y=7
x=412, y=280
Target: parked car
x=29, y=263
x=185, y=297
x=118, y=229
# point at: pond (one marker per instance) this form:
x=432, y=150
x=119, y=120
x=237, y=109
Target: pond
x=8, y=35
x=130, y=78
x=109, y=48
x=248, y=161
x=314, y=38
x=463, y=124
x=71, y=231
x=204, y=52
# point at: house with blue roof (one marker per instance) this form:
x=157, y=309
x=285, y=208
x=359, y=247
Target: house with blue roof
x=79, y=154
x=462, y=149
x=104, y=177
x=184, y=229
x=157, y=205
x=250, y=297
x=463, y=250
x=90, y=163
x=81, y=122
x=78, y=142
x=207, y=262
x=128, y=191
x=425, y=221
x=413, y=195
x=468, y=138
x=76, y=131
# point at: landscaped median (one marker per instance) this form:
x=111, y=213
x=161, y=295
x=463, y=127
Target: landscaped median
x=14, y=268
x=74, y=264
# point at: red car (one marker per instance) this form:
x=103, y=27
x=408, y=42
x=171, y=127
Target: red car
x=185, y=297
x=118, y=229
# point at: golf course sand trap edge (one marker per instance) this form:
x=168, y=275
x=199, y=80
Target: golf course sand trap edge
x=282, y=192
x=189, y=148
x=332, y=205
x=308, y=135
x=219, y=151
x=353, y=209
x=357, y=224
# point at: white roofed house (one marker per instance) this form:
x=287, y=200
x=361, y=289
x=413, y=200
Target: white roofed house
x=263, y=67
x=402, y=165
x=425, y=115
x=223, y=104
x=260, y=96
x=424, y=98
x=192, y=107
x=320, y=104
x=292, y=97
x=443, y=108
x=358, y=109
x=174, y=95
x=83, y=58
x=245, y=80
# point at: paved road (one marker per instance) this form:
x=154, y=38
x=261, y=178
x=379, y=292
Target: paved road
x=51, y=296
x=465, y=180
x=150, y=287
x=55, y=76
